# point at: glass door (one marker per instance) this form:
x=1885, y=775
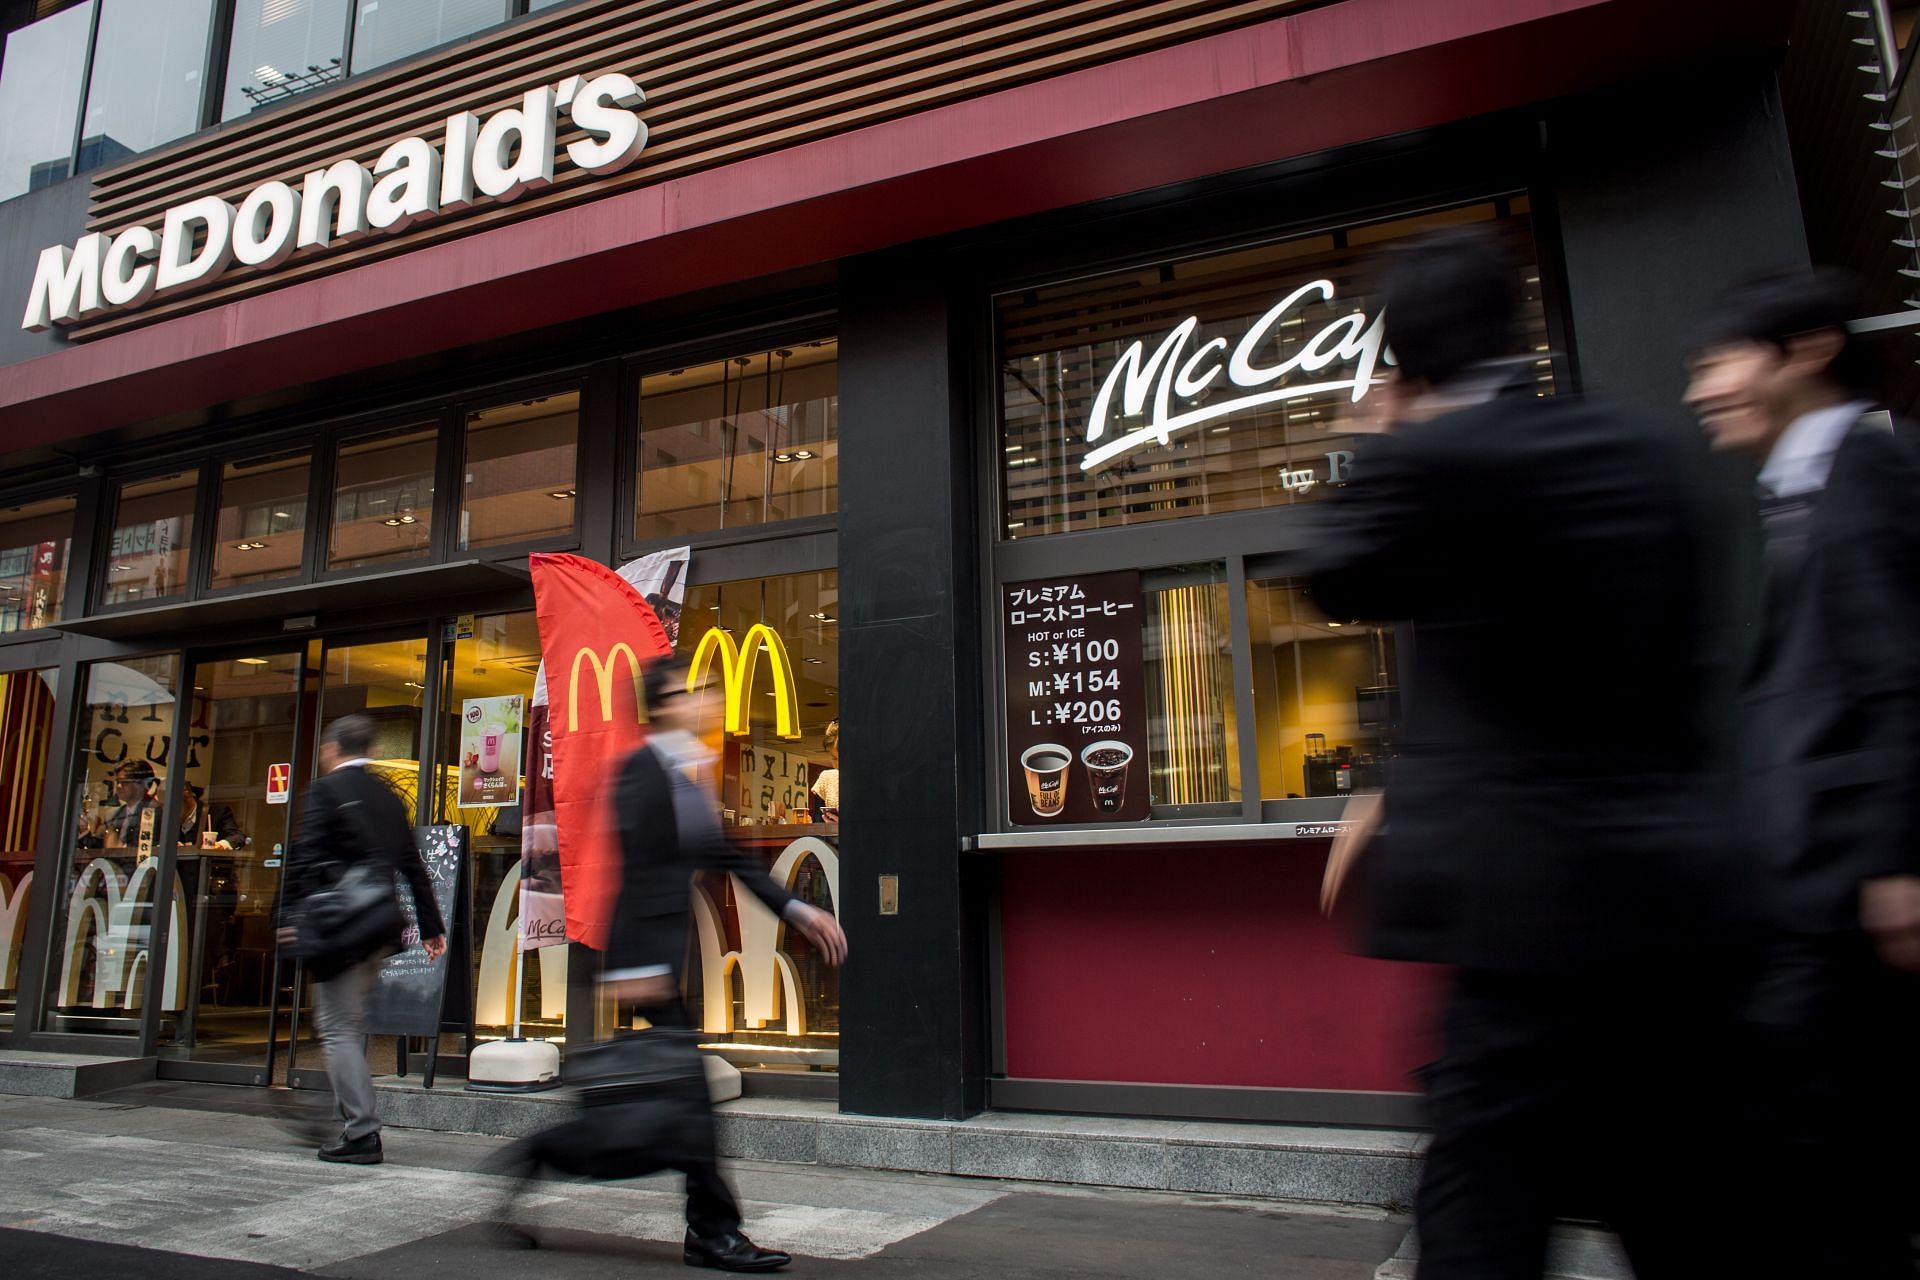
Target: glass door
x=237, y=804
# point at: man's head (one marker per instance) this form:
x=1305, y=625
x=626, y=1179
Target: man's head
x=348, y=738
x=1776, y=347
x=131, y=781
x=1450, y=304
x=671, y=706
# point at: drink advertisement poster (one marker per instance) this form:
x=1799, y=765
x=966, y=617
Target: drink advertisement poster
x=490, y=753
x=1076, y=701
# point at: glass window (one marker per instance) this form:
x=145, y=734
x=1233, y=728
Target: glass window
x=389, y=30
x=491, y=669
x=1193, y=737
x=149, y=60
x=26, y=734
x=102, y=917
x=385, y=682
x=780, y=791
x=35, y=541
x=383, y=497
x=739, y=442
x=520, y=475
x=1326, y=696
x=282, y=48
x=152, y=532
x=1214, y=384
x=40, y=99
x=261, y=534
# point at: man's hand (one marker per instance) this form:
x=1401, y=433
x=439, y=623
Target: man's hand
x=649, y=992
x=436, y=946
x=822, y=930
x=1890, y=911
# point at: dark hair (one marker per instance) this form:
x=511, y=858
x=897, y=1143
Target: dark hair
x=133, y=771
x=1450, y=303
x=353, y=735
x=665, y=678
x=1777, y=306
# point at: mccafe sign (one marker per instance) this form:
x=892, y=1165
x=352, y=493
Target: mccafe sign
x=1177, y=388
x=473, y=161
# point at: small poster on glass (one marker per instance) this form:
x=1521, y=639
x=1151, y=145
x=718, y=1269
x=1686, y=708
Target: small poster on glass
x=490, y=753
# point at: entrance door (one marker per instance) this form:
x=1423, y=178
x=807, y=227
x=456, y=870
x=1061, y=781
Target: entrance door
x=237, y=805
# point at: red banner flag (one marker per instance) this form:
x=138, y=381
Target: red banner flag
x=596, y=635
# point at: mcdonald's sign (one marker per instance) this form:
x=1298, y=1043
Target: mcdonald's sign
x=603, y=670
x=739, y=663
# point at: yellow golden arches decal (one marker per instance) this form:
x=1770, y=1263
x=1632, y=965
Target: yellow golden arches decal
x=738, y=663
x=603, y=679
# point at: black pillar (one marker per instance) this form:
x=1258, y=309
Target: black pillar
x=911, y=1030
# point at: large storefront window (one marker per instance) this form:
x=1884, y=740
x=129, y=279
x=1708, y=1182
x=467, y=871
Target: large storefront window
x=146, y=88
x=26, y=735
x=1326, y=696
x=1208, y=385
x=760, y=989
x=745, y=441
x=521, y=472
x=260, y=532
x=35, y=541
x=389, y=30
x=152, y=534
x=281, y=48
x=383, y=497
x=102, y=918
x=40, y=98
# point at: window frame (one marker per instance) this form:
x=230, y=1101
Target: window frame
x=216, y=466
x=79, y=543
x=439, y=414
x=578, y=382
x=1256, y=544
x=199, y=460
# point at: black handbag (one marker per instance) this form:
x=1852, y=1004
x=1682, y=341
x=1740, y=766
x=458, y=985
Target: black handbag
x=352, y=918
x=660, y=1062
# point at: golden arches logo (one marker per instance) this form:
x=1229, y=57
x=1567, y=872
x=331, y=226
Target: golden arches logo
x=603, y=669
x=738, y=665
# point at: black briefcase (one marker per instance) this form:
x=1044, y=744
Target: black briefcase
x=661, y=1062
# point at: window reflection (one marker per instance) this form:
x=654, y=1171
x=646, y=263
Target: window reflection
x=1325, y=693
x=152, y=532
x=146, y=88
x=282, y=48
x=383, y=498
x=520, y=476
x=35, y=541
x=26, y=726
x=40, y=100
x=260, y=535
x=744, y=441
x=388, y=30
x=1191, y=724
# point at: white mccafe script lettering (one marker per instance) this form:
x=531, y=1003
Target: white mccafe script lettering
x=501, y=158
x=1167, y=386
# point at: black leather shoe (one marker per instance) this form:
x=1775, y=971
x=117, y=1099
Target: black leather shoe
x=361, y=1150
x=731, y=1252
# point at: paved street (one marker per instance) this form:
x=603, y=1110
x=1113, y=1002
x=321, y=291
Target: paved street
x=82, y=1181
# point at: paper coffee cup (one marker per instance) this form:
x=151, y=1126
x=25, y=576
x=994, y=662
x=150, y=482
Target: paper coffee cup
x=1106, y=762
x=1046, y=769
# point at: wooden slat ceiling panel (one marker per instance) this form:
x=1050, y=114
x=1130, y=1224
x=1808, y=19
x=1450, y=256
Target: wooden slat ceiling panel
x=725, y=80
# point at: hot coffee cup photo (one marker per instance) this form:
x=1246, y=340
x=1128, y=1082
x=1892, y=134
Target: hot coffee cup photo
x=1046, y=765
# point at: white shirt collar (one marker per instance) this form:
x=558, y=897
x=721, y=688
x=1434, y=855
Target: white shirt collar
x=358, y=762
x=1802, y=457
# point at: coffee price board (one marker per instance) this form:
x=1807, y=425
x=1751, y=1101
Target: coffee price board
x=1076, y=701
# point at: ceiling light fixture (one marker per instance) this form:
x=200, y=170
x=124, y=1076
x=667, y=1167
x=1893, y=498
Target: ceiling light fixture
x=801, y=455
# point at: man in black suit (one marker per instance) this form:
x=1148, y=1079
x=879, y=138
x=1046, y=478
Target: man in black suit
x=1830, y=761
x=670, y=829
x=351, y=816
x=1553, y=824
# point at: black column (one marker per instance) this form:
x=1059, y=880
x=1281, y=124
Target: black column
x=911, y=1036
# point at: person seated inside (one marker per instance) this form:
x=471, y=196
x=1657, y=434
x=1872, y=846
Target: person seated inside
x=823, y=798
x=199, y=819
x=136, y=791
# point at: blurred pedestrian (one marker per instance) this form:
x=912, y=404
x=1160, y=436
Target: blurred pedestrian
x=1831, y=762
x=354, y=831
x=669, y=830
x=1553, y=826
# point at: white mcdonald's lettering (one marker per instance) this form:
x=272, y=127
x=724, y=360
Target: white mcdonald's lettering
x=603, y=679
x=1176, y=379
x=738, y=664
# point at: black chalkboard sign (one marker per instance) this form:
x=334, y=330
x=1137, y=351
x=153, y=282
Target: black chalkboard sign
x=406, y=997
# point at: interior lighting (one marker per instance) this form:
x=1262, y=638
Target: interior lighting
x=801, y=455
x=561, y=494
x=251, y=662
x=783, y=457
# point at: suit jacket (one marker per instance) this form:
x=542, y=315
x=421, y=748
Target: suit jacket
x=1831, y=748
x=1557, y=804
x=668, y=831
x=218, y=819
x=350, y=816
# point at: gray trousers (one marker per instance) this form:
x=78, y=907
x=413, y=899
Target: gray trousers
x=340, y=1013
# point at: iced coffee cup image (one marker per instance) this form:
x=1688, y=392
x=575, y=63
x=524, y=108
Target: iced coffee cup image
x=1046, y=768
x=1106, y=763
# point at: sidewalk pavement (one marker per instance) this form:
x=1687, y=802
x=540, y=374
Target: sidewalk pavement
x=82, y=1180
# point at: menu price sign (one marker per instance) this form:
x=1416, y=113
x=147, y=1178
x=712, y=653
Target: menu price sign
x=1076, y=701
